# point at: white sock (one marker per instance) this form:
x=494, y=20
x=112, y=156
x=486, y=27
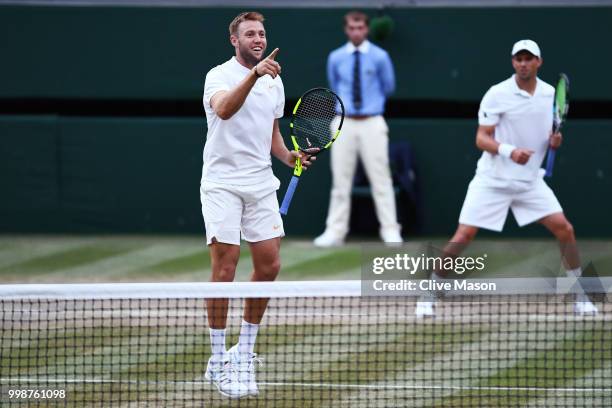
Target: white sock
x=574, y=273
x=217, y=345
x=248, y=334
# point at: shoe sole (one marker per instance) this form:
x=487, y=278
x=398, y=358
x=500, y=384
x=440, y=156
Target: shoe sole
x=207, y=377
x=592, y=313
x=251, y=393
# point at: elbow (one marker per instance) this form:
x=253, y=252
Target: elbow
x=224, y=114
x=479, y=143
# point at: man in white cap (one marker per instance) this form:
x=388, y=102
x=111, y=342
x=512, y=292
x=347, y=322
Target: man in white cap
x=515, y=121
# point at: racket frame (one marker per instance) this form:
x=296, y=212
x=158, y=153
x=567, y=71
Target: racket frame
x=297, y=170
x=559, y=115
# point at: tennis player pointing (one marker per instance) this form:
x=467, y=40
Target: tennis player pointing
x=514, y=132
x=243, y=99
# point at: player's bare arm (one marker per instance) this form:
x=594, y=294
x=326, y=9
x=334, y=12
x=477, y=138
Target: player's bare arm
x=485, y=141
x=555, y=140
x=280, y=151
x=227, y=103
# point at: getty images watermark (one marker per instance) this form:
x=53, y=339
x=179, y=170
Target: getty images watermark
x=436, y=268
x=455, y=271
x=421, y=273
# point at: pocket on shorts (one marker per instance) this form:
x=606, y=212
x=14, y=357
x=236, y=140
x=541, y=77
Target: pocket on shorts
x=215, y=203
x=261, y=190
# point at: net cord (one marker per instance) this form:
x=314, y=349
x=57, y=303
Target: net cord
x=281, y=289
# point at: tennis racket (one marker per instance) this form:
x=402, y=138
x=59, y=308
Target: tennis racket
x=316, y=122
x=560, y=108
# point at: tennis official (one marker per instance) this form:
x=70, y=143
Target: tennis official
x=362, y=75
x=515, y=121
x=243, y=99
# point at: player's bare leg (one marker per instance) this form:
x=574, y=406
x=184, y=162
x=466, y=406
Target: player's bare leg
x=266, y=265
x=563, y=230
x=220, y=371
x=224, y=258
x=463, y=236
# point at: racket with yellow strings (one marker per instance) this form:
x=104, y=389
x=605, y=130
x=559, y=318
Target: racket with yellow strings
x=315, y=124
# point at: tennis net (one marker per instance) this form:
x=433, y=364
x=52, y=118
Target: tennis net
x=321, y=344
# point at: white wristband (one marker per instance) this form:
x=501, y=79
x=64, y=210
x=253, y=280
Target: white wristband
x=505, y=150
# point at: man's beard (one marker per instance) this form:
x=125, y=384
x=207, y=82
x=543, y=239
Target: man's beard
x=248, y=57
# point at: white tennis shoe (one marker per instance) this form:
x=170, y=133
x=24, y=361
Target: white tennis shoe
x=391, y=237
x=226, y=378
x=328, y=240
x=425, y=308
x=584, y=306
x=245, y=368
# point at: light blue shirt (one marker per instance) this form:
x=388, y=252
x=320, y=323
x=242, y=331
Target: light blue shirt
x=376, y=74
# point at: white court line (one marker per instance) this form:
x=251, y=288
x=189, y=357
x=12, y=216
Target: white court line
x=310, y=385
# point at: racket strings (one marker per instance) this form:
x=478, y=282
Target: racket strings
x=561, y=105
x=312, y=125
x=561, y=97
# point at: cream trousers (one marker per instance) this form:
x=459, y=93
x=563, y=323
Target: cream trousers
x=369, y=139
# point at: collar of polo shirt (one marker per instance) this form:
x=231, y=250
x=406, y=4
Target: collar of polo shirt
x=519, y=91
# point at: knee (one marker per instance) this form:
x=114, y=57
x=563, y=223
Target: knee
x=464, y=235
x=565, y=232
x=225, y=273
x=269, y=272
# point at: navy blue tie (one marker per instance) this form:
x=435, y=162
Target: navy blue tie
x=357, y=82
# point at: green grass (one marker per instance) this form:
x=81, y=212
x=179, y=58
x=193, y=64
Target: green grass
x=373, y=363
x=336, y=262
x=199, y=261
x=148, y=258
x=187, y=263
x=298, y=351
x=67, y=259
x=355, y=354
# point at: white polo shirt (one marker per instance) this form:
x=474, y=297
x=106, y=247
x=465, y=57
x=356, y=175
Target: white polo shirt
x=237, y=150
x=520, y=119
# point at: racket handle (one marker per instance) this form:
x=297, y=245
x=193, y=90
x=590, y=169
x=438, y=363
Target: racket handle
x=550, y=161
x=289, y=195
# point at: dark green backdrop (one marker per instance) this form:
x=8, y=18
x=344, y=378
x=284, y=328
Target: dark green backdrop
x=135, y=175
x=84, y=174
x=164, y=53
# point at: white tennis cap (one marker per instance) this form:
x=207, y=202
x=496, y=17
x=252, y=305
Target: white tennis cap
x=526, y=45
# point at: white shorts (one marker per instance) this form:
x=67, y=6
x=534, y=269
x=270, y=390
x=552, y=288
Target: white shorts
x=231, y=210
x=488, y=199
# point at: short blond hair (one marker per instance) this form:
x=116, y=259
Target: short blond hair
x=246, y=16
